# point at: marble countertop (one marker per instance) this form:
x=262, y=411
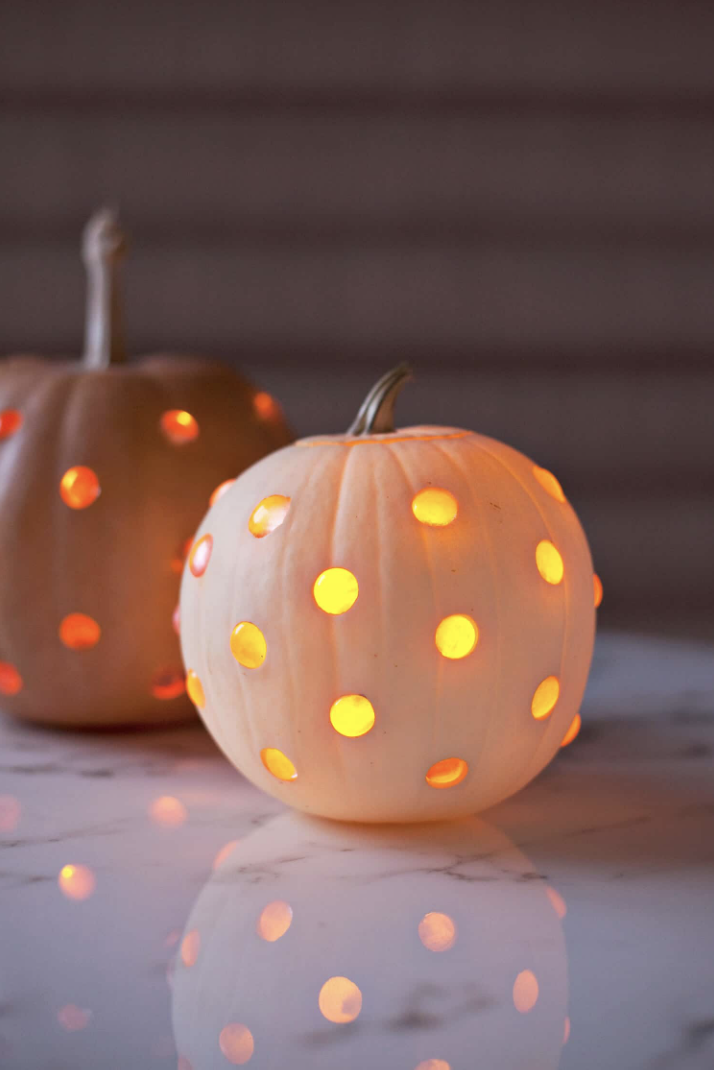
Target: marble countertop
x=158, y=911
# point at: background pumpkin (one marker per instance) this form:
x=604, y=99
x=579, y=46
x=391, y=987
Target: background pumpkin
x=392, y=626
x=105, y=469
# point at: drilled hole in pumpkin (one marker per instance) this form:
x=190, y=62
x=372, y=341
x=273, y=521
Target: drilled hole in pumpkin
x=597, y=590
x=194, y=688
x=190, y=948
x=549, y=483
x=168, y=684
x=236, y=1043
x=340, y=1000
x=179, y=426
x=278, y=764
x=352, y=715
x=268, y=515
x=447, y=773
x=248, y=645
x=437, y=932
x=79, y=487
x=545, y=697
x=335, y=590
x=10, y=679
x=266, y=407
x=456, y=636
x=572, y=731
x=549, y=562
x=274, y=921
x=76, y=882
x=79, y=632
x=525, y=991
x=220, y=490
x=435, y=507
x=10, y=422
x=200, y=555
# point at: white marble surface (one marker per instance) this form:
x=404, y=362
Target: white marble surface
x=617, y=836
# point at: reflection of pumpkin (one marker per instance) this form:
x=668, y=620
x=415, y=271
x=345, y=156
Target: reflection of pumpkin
x=435, y=946
x=381, y=614
x=105, y=469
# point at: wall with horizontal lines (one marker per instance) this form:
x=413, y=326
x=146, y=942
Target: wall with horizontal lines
x=518, y=198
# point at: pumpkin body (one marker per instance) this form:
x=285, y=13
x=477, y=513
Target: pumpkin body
x=353, y=506
x=117, y=559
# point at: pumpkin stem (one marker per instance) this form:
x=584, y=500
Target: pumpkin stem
x=102, y=250
x=376, y=414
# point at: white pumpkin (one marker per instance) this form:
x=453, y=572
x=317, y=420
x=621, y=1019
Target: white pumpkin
x=390, y=625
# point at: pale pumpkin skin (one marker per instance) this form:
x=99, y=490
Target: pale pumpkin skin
x=118, y=560
x=351, y=507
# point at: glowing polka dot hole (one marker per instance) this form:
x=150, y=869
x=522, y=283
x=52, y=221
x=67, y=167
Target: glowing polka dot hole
x=549, y=483
x=437, y=932
x=200, y=555
x=268, y=515
x=194, y=689
x=220, y=491
x=79, y=632
x=340, y=1000
x=236, y=1043
x=336, y=590
x=274, y=921
x=179, y=427
x=447, y=773
x=10, y=422
x=572, y=732
x=435, y=507
x=597, y=590
x=79, y=487
x=248, y=645
x=456, y=636
x=545, y=697
x=549, y=562
x=352, y=715
x=278, y=764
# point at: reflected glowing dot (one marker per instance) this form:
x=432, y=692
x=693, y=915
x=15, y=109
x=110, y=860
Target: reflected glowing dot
x=76, y=882
x=79, y=632
x=549, y=562
x=236, y=1042
x=437, y=932
x=194, y=687
x=340, y=1000
x=268, y=515
x=549, y=483
x=190, y=947
x=545, y=698
x=278, y=764
x=10, y=422
x=434, y=1064
x=10, y=811
x=572, y=731
x=200, y=555
x=73, y=1019
x=566, y=1031
x=248, y=645
x=557, y=902
x=456, y=636
x=447, y=773
x=435, y=507
x=274, y=921
x=335, y=590
x=168, y=684
x=525, y=991
x=597, y=590
x=352, y=715
x=176, y=620
x=10, y=679
x=220, y=491
x=179, y=426
x=266, y=407
x=168, y=811
x=79, y=487
x=225, y=852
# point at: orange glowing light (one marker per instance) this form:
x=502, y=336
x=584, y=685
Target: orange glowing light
x=545, y=697
x=220, y=490
x=248, y=645
x=190, y=947
x=10, y=422
x=525, y=991
x=549, y=562
x=278, y=764
x=268, y=515
x=274, y=921
x=433, y=1064
x=10, y=811
x=168, y=684
x=76, y=882
x=572, y=731
x=225, y=852
x=168, y=811
x=437, y=932
x=352, y=715
x=557, y=902
x=597, y=590
x=335, y=590
x=200, y=555
x=435, y=507
x=79, y=487
x=10, y=679
x=79, y=632
x=194, y=687
x=176, y=620
x=340, y=1000
x=266, y=407
x=73, y=1019
x=179, y=427
x=236, y=1042
x=457, y=636
x=181, y=555
x=447, y=773
x=549, y=483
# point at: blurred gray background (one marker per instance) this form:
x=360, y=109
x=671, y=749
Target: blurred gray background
x=518, y=198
